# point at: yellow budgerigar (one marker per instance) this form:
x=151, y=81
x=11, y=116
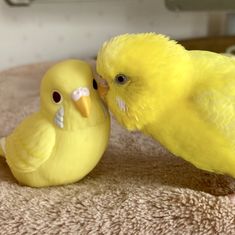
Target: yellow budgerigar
x=184, y=99
x=64, y=141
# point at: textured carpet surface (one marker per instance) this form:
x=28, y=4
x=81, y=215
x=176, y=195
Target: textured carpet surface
x=137, y=188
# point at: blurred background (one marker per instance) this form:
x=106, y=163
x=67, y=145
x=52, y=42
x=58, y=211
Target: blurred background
x=44, y=30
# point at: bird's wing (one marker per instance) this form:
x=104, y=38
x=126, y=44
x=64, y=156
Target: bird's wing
x=31, y=144
x=216, y=105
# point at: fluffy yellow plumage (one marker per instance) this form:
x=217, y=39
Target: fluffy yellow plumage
x=62, y=142
x=184, y=99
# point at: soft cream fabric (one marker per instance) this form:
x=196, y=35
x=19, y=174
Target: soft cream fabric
x=137, y=188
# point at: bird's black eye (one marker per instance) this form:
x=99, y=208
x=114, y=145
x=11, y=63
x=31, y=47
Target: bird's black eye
x=121, y=79
x=95, y=86
x=56, y=97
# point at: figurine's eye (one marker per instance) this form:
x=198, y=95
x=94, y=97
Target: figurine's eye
x=121, y=79
x=57, y=98
x=95, y=86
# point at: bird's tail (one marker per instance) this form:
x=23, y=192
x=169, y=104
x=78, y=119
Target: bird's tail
x=2, y=147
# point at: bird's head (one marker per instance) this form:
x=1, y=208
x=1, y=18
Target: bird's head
x=69, y=97
x=140, y=76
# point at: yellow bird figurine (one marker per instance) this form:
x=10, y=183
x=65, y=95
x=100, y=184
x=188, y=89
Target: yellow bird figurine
x=64, y=141
x=184, y=99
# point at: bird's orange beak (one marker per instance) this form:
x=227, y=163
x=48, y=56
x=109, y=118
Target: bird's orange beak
x=103, y=88
x=82, y=100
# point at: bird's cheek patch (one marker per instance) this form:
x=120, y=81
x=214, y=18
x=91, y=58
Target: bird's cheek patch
x=59, y=118
x=121, y=104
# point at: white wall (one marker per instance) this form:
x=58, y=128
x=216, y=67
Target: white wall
x=53, y=31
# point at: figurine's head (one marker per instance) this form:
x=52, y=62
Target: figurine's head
x=69, y=96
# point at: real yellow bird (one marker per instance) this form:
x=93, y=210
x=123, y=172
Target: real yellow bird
x=184, y=99
x=64, y=141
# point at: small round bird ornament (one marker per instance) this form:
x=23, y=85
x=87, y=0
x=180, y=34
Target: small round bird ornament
x=65, y=139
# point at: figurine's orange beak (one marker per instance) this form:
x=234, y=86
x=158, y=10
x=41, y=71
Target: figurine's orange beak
x=82, y=100
x=84, y=105
x=103, y=89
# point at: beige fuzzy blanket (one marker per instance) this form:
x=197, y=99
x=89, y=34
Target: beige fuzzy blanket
x=137, y=188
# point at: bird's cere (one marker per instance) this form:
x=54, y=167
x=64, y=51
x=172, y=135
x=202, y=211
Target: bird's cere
x=59, y=118
x=101, y=81
x=121, y=104
x=80, y=92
